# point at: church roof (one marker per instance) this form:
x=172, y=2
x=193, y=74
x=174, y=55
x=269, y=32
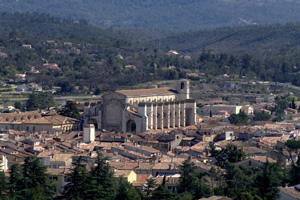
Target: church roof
x=147, y=92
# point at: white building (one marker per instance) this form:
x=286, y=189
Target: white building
x=215, y=109
x=141, y=110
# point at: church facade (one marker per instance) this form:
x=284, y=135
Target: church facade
x=140, y=110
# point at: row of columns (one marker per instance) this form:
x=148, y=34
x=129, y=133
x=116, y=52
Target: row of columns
x=163, y=115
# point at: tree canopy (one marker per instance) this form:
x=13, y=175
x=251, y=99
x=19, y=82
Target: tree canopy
x=239, y=119
x=40, y=100
x=261, y=116
x=70, y=110
x=230, y=153
x=27, y=181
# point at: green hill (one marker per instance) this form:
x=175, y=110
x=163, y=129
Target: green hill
x=90, y=59
x=43, y=26
x=176, y=15
x=249, y=39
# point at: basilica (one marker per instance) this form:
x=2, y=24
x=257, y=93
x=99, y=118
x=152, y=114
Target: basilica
x=141, y=110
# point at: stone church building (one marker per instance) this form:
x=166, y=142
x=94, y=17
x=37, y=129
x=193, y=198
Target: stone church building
x=140, y=110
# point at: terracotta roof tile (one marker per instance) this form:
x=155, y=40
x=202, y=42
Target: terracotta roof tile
x=263, y=159
x=141, y=179
x=124, y=173
x=56, y=119
x=19, y=117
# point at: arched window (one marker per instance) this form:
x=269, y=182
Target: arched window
x=131, y=126
x=182, y=85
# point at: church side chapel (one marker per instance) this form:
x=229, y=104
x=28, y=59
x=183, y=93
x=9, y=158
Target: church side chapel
x=141, y=110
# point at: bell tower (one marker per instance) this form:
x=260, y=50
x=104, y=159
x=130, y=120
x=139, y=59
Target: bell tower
x=183, y=89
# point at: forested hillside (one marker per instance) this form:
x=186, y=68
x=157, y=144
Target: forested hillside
x=255, y=39
x=173, y=15
x=41, y=26
x=80, y=58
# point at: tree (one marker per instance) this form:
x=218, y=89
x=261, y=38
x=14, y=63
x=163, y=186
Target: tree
x=185, y=196
x=293, y=147
x=35, y=193
x=66, y=87
x=150, y=185
x=268, y=181
x=187, y=179
x=70, y=110
x=246, y=61
x=126, y=191
x=40, y=100
x=245, y=196
x=293, y=104
x=102, y=179
x=78, y=185
x=3, y=185
x=231, y=154
x=260, y=116
x=19, y=105
x=238, y=119
x=36, y=180
x=236, y=180
x=234, y=154
x=97, y=91
x=30, y=181
x=15, y=181
x=248, y=196
x=294, y=174
x=201, y=189
x=281, y=105
x=162, y=193
x=191, y=182
x=217, y=179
